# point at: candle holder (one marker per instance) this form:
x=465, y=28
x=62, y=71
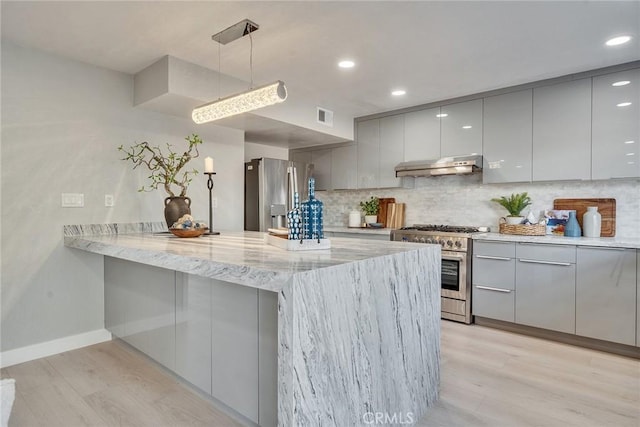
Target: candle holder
x=210, y=187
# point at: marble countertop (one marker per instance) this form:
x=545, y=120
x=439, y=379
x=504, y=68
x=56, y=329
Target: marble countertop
x=610, y=242
x=237, y=257
x=362, y=230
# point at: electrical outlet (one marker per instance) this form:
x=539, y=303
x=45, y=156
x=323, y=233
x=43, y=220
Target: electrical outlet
x=109, y=200
x=214, y=202
x=72, y=200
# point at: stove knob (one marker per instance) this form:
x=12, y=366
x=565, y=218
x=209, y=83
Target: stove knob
x=449, y=243
x=458, y=244
x=416, y=239
x=442, y=243
x=422, y=240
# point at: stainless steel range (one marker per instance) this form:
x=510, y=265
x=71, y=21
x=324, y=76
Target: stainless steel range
x=456, y=263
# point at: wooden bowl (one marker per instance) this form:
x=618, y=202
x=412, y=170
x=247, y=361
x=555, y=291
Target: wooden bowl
x=188, y=232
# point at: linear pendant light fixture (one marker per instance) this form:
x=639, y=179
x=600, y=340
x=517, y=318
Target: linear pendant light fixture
x=254, y=98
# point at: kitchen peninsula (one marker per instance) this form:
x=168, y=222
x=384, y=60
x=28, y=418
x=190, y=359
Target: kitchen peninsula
x=331, y=337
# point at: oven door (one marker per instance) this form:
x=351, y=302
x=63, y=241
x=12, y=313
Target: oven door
x=454, y=275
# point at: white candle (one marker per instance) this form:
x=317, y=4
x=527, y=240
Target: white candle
x=208, y=165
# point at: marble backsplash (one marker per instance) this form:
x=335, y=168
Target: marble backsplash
x=465, y=200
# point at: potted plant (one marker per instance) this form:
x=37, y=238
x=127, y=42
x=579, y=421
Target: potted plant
x=167, y=170
x=370, y=208
x=514, y=204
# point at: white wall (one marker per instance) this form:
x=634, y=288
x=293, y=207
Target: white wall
x=255, y=151
x=464, y=200
x=61, y=124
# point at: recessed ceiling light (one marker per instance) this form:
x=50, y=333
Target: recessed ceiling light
x=623, y=104
x=399, y=92
x=441, y=115
x=618, y=40
x=621, y=83
x=467, y=127
x=631, y=163
x=346, y=64
x=629, y=142
x=631, y=154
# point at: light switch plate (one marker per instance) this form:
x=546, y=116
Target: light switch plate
x=109, y=201
x=72, y=200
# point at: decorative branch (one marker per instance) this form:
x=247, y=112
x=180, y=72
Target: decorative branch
x=165, y=169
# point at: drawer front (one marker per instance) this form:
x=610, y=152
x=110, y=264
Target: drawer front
x=549, y=253
x=494, y=303
x=499, y=249
x=497, y=272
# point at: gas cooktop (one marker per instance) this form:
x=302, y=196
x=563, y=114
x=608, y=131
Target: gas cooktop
x=446, y=228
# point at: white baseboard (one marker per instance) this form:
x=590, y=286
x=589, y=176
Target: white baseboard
x=49, y=348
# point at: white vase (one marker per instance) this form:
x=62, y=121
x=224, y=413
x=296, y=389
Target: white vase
x=591, y=222
x=370, y=219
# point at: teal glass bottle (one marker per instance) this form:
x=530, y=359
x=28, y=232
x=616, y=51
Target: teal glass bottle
x=572, y=228
x=312, y=213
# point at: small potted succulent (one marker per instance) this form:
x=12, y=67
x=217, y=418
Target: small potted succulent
x=514, y=204
x=167, y=170
x=370, y=208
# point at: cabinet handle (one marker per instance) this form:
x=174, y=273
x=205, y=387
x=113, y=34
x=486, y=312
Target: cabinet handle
x=499, y=258
x=488, y=288
x=532, y=261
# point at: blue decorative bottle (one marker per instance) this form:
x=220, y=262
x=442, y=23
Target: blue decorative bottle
x=294, y=219
x=572, y=228
x=312, y=214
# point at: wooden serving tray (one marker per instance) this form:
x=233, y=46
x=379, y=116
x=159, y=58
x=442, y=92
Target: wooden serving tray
x=606, y=208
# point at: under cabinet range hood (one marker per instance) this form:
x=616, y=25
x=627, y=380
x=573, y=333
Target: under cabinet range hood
x=459, y=165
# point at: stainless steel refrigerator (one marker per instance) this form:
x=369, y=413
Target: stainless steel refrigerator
x=267, y=196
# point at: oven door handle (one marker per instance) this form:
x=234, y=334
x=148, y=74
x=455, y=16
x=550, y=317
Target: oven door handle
x=489, y=288
x=499, y=258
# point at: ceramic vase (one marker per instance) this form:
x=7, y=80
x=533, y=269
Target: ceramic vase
x=591, y=222
x=312, y=214
x=175, y=207
x=572, y=228
x=370, y=219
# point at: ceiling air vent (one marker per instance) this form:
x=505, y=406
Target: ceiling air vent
x=325, y=117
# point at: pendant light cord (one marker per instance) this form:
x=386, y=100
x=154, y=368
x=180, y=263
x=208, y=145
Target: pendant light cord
x=219, y=72
x=251, y=60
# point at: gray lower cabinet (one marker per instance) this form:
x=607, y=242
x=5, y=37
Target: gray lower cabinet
x=494, y=275
x=606, y=294
x=193, y=330
x=546, y=286
x=219, y=336
x=366, y=236
x=638, y=298
x=140, y=307
x=234, y=338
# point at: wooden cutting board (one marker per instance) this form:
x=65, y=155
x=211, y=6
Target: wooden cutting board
x=395, y=215
x=383, y=212
x=606, y=208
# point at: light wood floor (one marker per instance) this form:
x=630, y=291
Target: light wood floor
x=489, y=378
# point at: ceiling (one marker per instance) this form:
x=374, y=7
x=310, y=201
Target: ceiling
x=433, y=50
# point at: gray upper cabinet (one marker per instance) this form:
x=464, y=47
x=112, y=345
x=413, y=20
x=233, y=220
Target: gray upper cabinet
x=422, y=135
x=461, y=128
x=391, y=151
x=546, y=287
x=616, y=125
x=606, y=294
x=507, y=140
x=343, y=167
x=321, y=160
x=301, y=156
x=562, y=131
x=368, y=137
